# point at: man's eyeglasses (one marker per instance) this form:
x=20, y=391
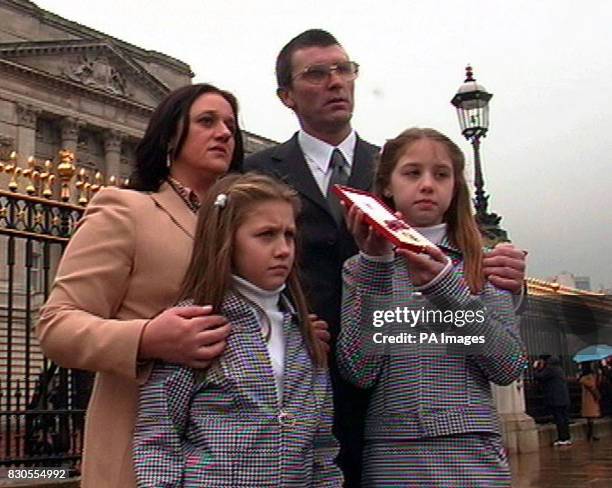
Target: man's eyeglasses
x=320, y=73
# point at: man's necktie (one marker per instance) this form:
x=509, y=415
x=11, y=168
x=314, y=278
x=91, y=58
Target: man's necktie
x=339, y=176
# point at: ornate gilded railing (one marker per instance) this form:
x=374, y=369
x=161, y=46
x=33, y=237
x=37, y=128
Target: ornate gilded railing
x=42, y=406
x=44, y=200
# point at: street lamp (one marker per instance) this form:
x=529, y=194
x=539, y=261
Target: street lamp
x=472, y=104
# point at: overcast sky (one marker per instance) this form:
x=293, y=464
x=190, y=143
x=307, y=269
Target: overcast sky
x=548, y=155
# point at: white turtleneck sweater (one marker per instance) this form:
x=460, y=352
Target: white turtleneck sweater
x=268, y=303
x=433, y=233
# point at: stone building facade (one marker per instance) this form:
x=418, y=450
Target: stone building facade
x=67, y=86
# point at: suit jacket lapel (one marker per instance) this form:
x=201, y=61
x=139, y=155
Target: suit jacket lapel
x=167, y=199
x=246, y=355
x=296, y=356
x=293, y=169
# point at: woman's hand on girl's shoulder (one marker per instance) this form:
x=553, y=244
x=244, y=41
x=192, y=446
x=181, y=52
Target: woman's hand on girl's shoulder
x=424, y=267
x=367, y=239
x=191, y=336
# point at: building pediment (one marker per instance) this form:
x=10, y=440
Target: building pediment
x=97, y=64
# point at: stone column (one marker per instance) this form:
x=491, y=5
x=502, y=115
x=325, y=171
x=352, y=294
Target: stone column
x=520, y=431
x=112, y=151
x=70, y=133
x=26, y=130
x=7, y=144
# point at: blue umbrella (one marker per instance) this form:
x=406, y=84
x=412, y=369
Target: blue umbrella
x=593, y=353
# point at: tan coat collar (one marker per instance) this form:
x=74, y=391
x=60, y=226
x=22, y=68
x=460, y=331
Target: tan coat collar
x=167, y=199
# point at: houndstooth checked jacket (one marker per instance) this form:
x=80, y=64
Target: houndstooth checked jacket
x=426, y=392
x=224, y=427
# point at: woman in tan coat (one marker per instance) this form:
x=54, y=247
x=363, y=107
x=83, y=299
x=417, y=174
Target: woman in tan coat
x=590, y=398
x=123, y=267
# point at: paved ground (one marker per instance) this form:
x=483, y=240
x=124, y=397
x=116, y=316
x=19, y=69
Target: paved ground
x=583, y=465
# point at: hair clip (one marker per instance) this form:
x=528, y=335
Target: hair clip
x=221, y=200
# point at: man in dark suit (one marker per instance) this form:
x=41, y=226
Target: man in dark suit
x=324, y=110
x=315, y=79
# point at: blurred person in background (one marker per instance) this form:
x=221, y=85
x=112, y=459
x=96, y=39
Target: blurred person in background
x=551, y=376
x=589, y=381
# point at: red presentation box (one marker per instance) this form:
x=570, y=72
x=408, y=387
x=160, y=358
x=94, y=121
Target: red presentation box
x=382, y=219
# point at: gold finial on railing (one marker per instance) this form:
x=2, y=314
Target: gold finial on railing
x=12, y=169
x=47, y=179
x=33, y=176
x=66, y=170
x=98, y=180
x=76, y=185
x=82, y=184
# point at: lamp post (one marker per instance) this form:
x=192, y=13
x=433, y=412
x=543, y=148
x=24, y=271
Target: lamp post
x=472, y=104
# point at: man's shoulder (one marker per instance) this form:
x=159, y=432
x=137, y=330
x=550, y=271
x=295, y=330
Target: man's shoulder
x=368, y=146
x=263, y=158
x=259, y=159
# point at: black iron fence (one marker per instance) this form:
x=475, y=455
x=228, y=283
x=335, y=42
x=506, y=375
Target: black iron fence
x=42, y=406
x=560, y=325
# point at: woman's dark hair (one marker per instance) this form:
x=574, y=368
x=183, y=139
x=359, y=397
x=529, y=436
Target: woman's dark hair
x=172, y=117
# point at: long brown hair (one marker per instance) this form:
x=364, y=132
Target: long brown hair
x=463, y=230
x=208, y=277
